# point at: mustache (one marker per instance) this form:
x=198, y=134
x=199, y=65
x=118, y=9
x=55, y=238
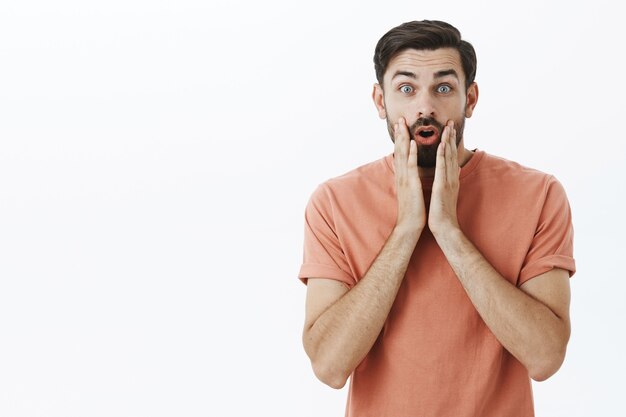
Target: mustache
x=426, y=121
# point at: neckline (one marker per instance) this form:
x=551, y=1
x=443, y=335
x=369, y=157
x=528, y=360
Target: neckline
x=465, y=169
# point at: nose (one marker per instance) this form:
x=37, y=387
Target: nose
x=424, y=105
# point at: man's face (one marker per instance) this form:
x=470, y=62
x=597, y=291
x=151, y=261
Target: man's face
x=427, y=88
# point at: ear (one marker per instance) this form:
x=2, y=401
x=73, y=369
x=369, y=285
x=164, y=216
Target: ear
x=471, y=99
x=379, y=101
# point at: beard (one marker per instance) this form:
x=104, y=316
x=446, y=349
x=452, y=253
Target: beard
x=427, y=154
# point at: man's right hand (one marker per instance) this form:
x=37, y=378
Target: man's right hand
x=411, y=208
x=342, y=325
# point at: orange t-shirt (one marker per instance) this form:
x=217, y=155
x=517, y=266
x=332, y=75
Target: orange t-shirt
x=435, y=356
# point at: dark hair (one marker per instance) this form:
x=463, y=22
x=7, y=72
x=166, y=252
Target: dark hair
x=427, y=34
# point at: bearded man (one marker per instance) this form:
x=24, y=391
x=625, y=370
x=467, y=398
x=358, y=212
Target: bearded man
x=437, y=276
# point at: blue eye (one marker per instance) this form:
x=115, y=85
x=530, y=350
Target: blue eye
x=406, y=89
x=444, y=89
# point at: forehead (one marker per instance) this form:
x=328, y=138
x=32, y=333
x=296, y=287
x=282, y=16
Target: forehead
x=425, y=62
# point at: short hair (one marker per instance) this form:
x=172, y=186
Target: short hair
x=427, y=34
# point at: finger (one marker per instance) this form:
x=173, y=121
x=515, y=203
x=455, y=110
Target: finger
x=452, y=161
x=400, y=138
x=440, y=165
x=453, y=143
x=412, y=163
x=403, y=131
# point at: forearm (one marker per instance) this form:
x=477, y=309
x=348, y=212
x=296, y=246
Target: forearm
x=527, y=328
x=341, y=337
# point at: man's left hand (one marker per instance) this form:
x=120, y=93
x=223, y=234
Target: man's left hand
x=442, y=215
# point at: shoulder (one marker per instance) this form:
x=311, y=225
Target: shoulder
x=498, y=165
x=506, y=174
x=364, y=180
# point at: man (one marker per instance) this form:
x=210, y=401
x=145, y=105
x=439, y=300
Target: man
x=437, y=277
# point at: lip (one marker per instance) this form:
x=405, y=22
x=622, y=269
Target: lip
x=429, y=140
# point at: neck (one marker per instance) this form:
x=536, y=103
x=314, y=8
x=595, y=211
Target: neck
x=463, y=156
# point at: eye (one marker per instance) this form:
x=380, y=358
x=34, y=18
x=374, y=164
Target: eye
x=444, y=89
x=406, y=89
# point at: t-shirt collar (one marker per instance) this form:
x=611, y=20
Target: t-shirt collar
x=465, y=169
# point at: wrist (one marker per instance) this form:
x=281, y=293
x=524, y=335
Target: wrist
x=443, y=231
x=407, y=232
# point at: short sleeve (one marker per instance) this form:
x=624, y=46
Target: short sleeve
x=323, y=256
x=553, y=243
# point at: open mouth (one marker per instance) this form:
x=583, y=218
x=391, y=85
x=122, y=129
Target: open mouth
x=427, y=135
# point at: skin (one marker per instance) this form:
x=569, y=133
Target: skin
x=531, y=322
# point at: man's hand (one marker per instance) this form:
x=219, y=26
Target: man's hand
x=342, y=326
x=443, y=216
x=411, y=209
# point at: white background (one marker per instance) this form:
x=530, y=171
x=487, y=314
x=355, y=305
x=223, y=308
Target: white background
x=156, y=158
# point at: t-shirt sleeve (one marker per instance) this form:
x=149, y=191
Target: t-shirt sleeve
x=323, y=255
x=553, y=243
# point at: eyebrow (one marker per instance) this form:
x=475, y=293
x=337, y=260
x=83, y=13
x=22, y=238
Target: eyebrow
x=443, y=73
x=405, y=73
x=438, y=74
